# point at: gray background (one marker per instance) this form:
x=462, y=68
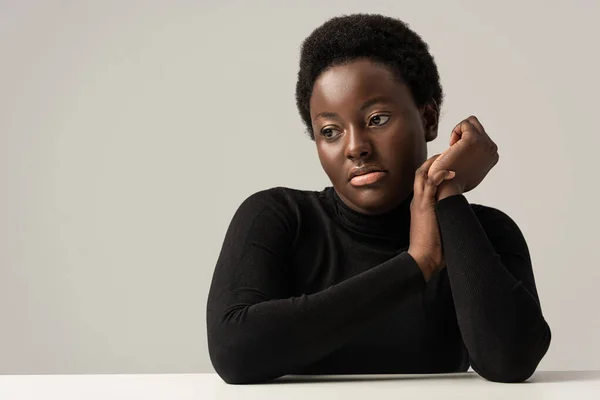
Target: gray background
x=130, y=131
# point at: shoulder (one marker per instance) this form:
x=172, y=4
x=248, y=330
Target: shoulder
x=272, y=215
x=282, y=203
x=270, y=197
x=279, y=197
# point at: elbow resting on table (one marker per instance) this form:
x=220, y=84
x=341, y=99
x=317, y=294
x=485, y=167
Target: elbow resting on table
x=234, y=370
x=517, y=367
x=228, y=362
x=235, y=356
x=511, y=374
x=237, y=361
x=235, y=375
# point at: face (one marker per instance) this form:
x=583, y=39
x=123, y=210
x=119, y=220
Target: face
x=362, y=115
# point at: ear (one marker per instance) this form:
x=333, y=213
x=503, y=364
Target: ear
x=430, y=117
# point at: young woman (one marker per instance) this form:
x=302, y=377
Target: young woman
x=390, y=269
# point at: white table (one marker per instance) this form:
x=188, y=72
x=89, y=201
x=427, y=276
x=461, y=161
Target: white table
x=571, y=385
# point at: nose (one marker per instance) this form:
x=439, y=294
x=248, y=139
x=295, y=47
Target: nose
x=358, y=145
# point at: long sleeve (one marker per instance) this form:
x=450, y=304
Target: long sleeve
x=256, y=330
x=493, y=288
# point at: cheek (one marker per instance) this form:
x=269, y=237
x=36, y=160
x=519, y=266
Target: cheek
x=405, y=150
x=329, y=158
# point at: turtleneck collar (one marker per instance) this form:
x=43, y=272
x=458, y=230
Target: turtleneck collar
x=392, y=227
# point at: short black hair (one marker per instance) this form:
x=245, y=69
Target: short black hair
x=382, y=39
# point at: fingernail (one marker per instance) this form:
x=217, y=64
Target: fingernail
x=451, y=174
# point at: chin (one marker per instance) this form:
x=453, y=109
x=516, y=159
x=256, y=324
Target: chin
x=373, y=200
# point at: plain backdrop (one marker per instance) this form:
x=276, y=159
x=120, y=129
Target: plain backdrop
x=130, y=132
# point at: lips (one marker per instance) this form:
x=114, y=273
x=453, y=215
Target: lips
x=367, y=179
x=363, y=170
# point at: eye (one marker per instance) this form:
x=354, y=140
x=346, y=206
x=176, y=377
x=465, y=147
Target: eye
x=329, y=132
x=379, y=120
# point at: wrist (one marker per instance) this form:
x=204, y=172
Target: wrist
x=447, y=189
x=424, y=263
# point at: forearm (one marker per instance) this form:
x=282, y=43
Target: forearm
x=500, y=320
x=252, y=339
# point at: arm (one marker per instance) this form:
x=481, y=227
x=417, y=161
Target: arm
x=256, y=330
x=494, y=290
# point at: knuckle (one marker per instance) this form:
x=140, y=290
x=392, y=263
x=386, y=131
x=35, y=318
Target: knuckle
x=414, y=207
x=435, y=177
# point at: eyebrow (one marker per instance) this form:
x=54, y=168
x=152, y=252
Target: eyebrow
x=375, y=100
x=366, y=104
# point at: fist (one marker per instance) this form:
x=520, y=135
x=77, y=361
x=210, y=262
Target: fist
x=472, y=154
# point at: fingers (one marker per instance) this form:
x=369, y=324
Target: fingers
x=427, y=164
x=442, y=176
x=466, y=126
x=421, y=175
x=420, y=178
x=454, y=137
x=434, y=181
x=441, y=156
x=476, y=124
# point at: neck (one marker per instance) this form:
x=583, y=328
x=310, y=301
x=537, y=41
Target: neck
x=393, y=224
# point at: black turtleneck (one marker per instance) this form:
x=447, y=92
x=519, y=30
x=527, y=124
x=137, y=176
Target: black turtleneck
x=306, y=285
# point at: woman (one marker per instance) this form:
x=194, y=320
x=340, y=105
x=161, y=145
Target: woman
x=389, y=270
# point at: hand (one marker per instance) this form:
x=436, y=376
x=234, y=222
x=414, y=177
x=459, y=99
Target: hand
x=472, y=154
x=425, y=240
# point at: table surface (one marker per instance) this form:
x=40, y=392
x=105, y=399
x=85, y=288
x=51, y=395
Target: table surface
x=573, y=385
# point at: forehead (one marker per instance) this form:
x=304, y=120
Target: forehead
x=349, y=85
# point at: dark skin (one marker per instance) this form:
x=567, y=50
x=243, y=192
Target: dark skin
x=363, y=114
x=472, y=154
x=395, y=139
